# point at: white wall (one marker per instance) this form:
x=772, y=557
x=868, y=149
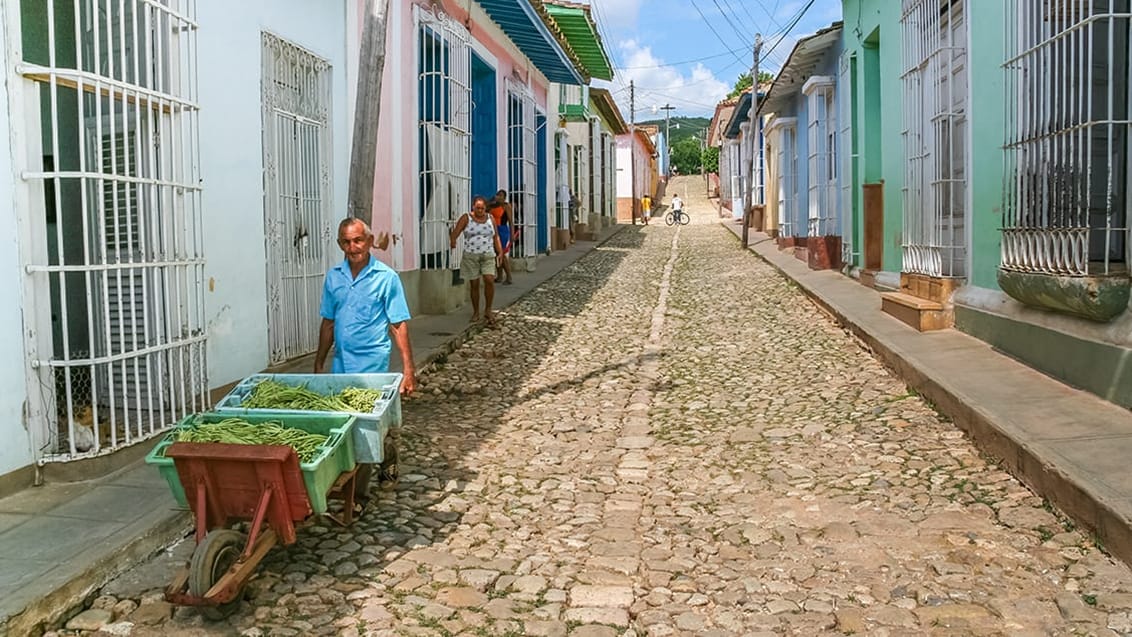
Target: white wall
x=229, y=70
x=16, y=450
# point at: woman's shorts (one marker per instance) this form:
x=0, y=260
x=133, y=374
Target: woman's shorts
x=474, y=265
x=504, y=233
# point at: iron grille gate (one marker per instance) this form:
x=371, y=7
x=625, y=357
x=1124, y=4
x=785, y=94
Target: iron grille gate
x=821, y=132
x=935, y=130
x=847, y=157
x=1067, y=134
x=595, y=171
x=562, y=157
x=115, y=255
x=300, y=231
x=787, y=131
x=521, y=168
x=444, y=141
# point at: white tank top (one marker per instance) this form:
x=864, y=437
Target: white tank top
x=478, y=237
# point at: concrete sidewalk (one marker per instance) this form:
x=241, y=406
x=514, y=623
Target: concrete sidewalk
x=1069, y=446
x=62, y=541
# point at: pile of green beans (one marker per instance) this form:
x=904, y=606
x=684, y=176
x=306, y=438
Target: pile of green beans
x=270, y=394
x=238, y=431
x=360, y=399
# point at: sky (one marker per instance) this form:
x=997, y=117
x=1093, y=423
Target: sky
x=675, y=56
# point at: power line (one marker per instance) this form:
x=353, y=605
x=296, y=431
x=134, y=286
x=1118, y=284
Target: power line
x=657, y=66
x=786, y=31
x=708, y=23
x=728, y=19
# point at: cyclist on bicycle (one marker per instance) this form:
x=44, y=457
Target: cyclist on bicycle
x=677, y=203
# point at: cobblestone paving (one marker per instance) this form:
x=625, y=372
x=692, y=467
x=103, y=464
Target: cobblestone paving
x=668, y=439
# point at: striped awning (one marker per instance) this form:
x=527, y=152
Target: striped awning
x=525, y=27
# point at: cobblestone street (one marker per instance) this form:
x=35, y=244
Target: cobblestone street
x=668, y=438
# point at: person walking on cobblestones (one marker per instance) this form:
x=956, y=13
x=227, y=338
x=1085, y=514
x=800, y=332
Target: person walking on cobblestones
x=646, y=209
x=363, y=302
x=482, y=251
x=501, y=214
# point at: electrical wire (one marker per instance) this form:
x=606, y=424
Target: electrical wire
x=709, y=25
x=657, y=66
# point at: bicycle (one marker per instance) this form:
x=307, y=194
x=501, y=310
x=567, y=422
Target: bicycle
x=677, y=217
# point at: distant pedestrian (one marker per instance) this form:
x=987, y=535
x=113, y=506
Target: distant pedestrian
x=501, y=214
x=646, y=209
x=482, y=251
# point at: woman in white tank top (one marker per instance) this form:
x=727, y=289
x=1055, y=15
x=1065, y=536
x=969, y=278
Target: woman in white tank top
x=482, y=252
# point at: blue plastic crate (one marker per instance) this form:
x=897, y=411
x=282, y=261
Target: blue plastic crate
x=369, y=430
x=334, y=458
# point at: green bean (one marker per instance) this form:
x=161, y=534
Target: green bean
x=307, y=445
x=269, y=394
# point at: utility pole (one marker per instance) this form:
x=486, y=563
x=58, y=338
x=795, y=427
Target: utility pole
x=667, y=141
x=367, y=111
x=632, y=153
x=752, y=132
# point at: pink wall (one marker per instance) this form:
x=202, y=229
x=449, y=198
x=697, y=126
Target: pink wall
x=396, y=139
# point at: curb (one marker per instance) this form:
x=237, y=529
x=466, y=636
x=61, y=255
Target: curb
x=62, y=603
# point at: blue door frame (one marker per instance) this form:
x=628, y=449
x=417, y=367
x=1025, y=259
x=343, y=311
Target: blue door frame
x=540, y=166
x=485, y=170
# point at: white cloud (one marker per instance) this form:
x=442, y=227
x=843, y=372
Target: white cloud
x=618, y=14
x=694, y=92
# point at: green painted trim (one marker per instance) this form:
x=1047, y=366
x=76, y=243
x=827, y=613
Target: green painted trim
x=1101, y=368
x=1097, y=298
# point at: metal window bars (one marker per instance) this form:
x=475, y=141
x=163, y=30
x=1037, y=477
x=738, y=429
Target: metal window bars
x=444, y=142
x=786, y=133
x=821, y=131
x=521, y=169
x=594, y=173
x=116, y=325
x=1067, y=134
x=935, y=128
x=561, y=178
x=848, y=157
x=298, y=219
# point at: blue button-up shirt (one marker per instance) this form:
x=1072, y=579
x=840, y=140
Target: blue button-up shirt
x=362, y=309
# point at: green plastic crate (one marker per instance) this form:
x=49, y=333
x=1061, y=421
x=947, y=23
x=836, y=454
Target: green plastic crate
x=335, y=457
x=370, y=429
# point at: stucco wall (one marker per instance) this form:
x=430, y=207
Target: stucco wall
x=395, y=182
x=872, y=35
x=16, y=450
x=985, y=138
x=231, y=156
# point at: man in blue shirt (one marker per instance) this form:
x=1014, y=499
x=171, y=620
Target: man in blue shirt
x=363, y=302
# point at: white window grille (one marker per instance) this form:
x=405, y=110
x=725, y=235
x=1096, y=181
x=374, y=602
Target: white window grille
x=443, y=142
x=562, y=157
x=1067, y=134
x=786, y=131
x=297, y=193
x=610, y=176
x=847, y=157
x=117, y=248
x=760, y=165
x=521, y=169
x=935, y=130
x=821, y=130
x=594, y=173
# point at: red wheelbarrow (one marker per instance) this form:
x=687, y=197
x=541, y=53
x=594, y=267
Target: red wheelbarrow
x=225, y=484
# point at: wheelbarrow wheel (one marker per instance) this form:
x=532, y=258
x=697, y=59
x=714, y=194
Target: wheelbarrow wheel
x=212, y=558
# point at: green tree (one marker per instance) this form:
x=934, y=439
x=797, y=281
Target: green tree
x=743, y=82
x=711, y=159
x=686, y=156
